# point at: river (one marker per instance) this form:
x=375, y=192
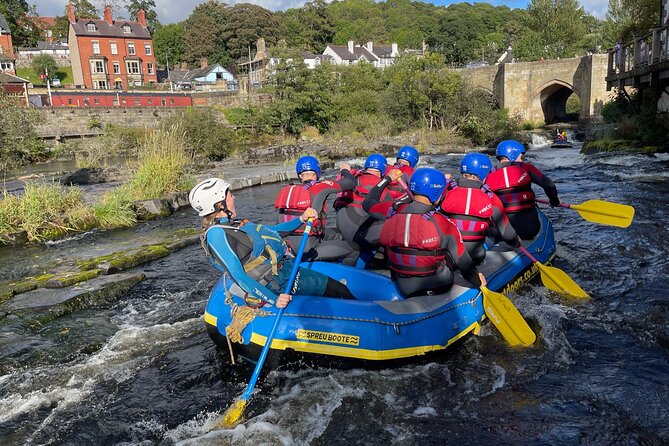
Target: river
x=143, y=371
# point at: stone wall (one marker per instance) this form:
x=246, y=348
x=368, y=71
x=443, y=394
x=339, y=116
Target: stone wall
x=227, y=99
x=25, y=62
x=76, y=121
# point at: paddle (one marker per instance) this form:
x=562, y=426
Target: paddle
x=506, y=317
x=555, y=279
x=602, y=212
x=405, y=187
x=232, y=416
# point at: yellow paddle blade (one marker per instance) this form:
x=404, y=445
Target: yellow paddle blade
x=557, y=280
x=233, y=415
x=508, y=320
x=605, y=212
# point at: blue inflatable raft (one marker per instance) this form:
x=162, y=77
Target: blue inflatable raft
x=380, y=327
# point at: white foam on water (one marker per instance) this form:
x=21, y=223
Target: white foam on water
x=539, y=141
x=64, y=385
x=423, y=411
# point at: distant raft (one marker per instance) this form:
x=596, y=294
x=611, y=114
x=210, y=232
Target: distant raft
x=561, y=144
x=381, y=328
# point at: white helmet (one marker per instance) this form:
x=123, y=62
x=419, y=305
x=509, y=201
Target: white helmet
x=206, y=194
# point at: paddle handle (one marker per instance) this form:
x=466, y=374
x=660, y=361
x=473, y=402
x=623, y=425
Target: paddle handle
x=527, y=253
x=562, y=205
x=268, y=342
x=405, y=187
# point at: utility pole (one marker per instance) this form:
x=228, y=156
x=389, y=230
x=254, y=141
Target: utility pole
x=250, y=72
x=167, y=60
x=48, y=86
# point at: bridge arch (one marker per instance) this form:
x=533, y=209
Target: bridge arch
x=549, y=101
x=487, y=94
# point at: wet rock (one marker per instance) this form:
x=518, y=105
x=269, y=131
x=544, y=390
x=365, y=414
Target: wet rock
x=152, y=209
x=45, y=304
x=113, y=263
x=9, y=289
x=177, y=200
x=14, y=238
x=71, y=278
x=91, y=175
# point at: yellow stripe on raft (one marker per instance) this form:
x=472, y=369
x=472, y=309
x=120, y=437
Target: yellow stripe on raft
x=358, y=353
x=210, y=319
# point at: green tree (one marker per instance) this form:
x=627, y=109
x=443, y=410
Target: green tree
x=83, y=9
x=309, y=27
x=18, y=137
x=168, y=41
x=133, y=7
x=529, y=47
x=627, y=18
x=44, y=64
x=560, y=25
x=19, y=18
x=245, y=24
x=203, y=33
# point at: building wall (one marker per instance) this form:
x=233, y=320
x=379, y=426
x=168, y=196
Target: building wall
x=6, y=45
x=75, y=57
x=121, y=99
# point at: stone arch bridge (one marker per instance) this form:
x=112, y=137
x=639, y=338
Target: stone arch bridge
x=538, y=91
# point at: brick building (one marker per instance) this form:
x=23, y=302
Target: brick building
x=108, y=54
x=6, y=48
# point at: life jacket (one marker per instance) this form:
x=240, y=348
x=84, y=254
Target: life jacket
x=366, y=182
x=470, y=209
x=395, y=189
x=345, y=198
x=268, y=250
x=413, y=243
x=292, y=201
x=513, y=185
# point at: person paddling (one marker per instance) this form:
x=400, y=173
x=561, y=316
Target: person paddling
x=293, y=199
x=475, y=209
x=407, y=158
x=254, y=255
x=512, y=182
x=423, y=247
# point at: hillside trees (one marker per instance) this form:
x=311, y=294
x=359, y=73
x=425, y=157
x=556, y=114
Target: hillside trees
x=133, y=7
x=559, y=24
x=168, y=42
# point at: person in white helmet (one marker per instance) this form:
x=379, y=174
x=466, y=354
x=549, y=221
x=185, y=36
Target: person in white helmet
x=255, y=255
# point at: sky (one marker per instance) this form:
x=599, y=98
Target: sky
x=171, y=11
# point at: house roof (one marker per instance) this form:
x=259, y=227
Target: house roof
x=104, y=29
x=308, y=55
x=9, y=79
x=343, y=52
x=3, y=25
x=191, y=75
x=41, y=45
x=45, y=22
x=382, y=50
x=358, y=52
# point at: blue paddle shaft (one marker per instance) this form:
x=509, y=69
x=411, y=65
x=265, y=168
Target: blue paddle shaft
x=268, y=342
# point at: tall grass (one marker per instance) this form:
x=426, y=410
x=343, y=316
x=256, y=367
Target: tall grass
x=45, y=210
x=115, y=210
x=163, y=165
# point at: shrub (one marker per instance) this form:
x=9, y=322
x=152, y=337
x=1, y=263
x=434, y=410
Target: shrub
x=114, y=210
x=205, y=134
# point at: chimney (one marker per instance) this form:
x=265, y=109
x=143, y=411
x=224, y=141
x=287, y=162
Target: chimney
x=260, y=50
x=350, y=46
x=395, y=52
x=370, y=47
x=108, y=15
x=141, y=17
x=204, y=63
x=70, y=13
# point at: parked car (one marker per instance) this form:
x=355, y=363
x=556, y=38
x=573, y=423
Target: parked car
x=55, y=82
x=477, y=64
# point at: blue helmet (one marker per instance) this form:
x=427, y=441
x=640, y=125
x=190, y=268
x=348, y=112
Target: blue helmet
x=477, y=164
x=429, y=182
x=307, y=163
x=376, y=161
x=408, y=153
x=510, y=149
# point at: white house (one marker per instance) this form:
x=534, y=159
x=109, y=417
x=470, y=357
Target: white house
x=57, y=50
x=207, y=77
x=380, y=56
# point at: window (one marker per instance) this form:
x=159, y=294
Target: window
x=99, y=85
x=147, y=49
x=171, y=101
x=96, y=101
x=91, y=27
x=126, y=29
x=69, y=101
x=131, y=48
x=137, y=102
x=150, y=101
x=97, y=67
x=163, y=101
x=6, y=66
x=114, y=49
x=118, y=85
x=96, y=47
x=149, y=68
x=133, y=67
x=117, y=67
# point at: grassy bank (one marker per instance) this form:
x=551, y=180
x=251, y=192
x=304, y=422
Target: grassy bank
x=63, y=73
x=50, y=210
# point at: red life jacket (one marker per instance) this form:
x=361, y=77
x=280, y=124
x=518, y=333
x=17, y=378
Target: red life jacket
x=513, y=185
x=413, y=243
x=345, y=198
x=470, y=209
x=292, y=201
x=366, y=181
x=395, y=189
